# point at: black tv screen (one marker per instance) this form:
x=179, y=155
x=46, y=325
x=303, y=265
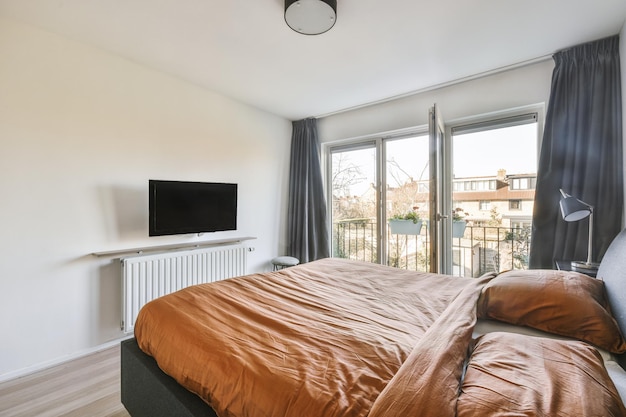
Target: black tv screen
x=179, y=207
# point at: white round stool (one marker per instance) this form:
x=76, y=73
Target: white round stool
x=281, y=262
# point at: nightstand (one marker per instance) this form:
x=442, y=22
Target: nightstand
x=567, y=266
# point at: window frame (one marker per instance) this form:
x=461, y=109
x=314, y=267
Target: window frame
x=515, y=204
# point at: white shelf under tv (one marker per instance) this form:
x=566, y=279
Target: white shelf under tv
x=173, y=246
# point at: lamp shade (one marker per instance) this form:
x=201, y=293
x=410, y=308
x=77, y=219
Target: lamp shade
x=572, y=209
x=310, y=17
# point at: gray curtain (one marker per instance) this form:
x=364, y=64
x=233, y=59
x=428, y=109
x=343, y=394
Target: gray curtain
x=581, y=153
x=307, y=229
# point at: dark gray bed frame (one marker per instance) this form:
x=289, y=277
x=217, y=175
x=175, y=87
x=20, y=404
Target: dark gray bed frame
x=148, y=392
x=613, y=272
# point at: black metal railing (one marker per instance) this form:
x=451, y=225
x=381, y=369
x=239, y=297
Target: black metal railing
x=355, y=239
x=478, y=250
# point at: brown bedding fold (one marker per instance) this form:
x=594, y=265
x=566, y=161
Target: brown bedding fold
x=319, y=339
x=428, y=383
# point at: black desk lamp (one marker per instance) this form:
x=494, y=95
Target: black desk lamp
x=573, y=210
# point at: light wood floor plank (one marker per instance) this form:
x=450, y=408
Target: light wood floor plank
x=87, y=386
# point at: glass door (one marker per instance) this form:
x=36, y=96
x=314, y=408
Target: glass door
x=406, y=199
x=353, y=178
x=440, y=211
x=388, y=198
x=417, y=185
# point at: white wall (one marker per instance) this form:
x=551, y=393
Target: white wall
x=510, y=89
x=81, y=132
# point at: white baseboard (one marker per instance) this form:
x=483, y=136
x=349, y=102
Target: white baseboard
x=58, y=361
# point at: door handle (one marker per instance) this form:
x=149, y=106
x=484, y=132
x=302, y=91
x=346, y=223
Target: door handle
x=439, y=217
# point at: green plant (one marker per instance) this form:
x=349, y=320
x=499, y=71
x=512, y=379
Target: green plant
x=410, y=215
x=459, y=214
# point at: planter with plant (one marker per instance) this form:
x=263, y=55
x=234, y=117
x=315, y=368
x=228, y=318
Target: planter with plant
x=459, y=222
x=408, y=223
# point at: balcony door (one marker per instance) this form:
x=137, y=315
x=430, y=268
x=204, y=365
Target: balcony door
x=376, y=183
x=352, y=183
x=406, y=197
x=440, y=211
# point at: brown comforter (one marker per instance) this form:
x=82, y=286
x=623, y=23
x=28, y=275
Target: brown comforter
x=329, y=338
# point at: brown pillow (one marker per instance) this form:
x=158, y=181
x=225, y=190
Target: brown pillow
x=536, y=376
x=560, y=302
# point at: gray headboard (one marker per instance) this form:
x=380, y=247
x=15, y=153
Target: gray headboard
x=613, y=272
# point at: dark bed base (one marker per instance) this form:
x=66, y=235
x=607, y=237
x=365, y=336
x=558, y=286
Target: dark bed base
x=148, y=392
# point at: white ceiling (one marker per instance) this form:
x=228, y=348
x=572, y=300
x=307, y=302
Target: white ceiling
x=377, y=50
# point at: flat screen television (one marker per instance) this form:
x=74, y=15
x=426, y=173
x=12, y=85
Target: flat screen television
x=181, y=207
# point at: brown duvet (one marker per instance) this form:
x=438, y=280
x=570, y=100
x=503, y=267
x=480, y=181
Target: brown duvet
x=324, y=339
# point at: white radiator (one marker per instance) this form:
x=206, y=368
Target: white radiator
x=146, y=277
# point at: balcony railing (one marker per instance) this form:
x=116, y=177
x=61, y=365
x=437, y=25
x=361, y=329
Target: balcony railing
x=481, y=249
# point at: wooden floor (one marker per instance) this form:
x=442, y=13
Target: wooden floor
x=85, y=387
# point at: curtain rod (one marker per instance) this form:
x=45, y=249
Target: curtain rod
x=441, y=85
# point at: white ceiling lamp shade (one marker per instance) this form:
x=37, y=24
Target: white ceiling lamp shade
x=311, y=17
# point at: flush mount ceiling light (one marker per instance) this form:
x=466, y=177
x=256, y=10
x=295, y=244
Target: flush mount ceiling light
x=310, y=17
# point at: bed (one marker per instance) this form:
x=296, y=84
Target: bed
x=344, y=338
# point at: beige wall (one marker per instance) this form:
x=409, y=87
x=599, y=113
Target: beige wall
x=81, y=132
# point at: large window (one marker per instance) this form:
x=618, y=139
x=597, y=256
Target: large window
x=490, y=190
x=495, y=170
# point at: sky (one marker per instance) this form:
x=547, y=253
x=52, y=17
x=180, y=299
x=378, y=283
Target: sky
x=483, y=153
x=474, y=154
